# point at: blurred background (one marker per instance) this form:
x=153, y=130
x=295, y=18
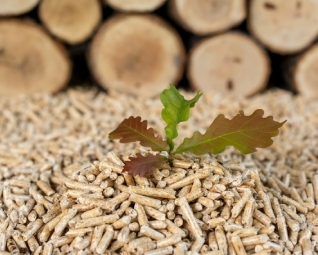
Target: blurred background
x=241, y=47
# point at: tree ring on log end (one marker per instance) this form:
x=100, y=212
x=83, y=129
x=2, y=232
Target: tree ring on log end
x=285, y=27
x=204, y=17
x=136, y=54
x=305, y=73
x=30, y=61
x=69, y=20
x=230, y=63
x=16, y=7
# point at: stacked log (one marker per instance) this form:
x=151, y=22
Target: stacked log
x=304, y=72
x=135, y=5
x=16, y=7
x=30, y=60
x=141, y=53
x=223, y=63
x=137, y=54
x=285, y=27
x=72, y=21
x=208, y=16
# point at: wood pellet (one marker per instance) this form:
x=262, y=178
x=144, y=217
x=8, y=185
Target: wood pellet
x=63, y=191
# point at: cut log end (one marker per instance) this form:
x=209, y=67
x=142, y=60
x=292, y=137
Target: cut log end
x=204, y=17
x=230, y=63
x=69, y=20
x=139, y=55
x=16, y=7
x=285, y=27
x=30, y=61
x=305, y=73
x=135, y=5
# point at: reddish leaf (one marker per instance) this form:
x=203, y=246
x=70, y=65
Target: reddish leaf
x=135, y=130
x=143, y=166
x=245, y=133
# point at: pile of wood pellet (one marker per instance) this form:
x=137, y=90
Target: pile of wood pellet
x=63, y=191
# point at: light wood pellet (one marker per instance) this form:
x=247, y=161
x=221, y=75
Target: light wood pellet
x=62, y=188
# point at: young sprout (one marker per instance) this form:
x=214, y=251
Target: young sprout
x=245, y=133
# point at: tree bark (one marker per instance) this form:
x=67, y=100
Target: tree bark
x=303, y=71
x=30, y=61
x=285, y=27
x=204, y=17
x=135, y=5
x=228, y=63
x=137, y=54
x=16, y=7
x=72, y=21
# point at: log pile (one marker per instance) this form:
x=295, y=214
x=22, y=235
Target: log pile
x=140, y=46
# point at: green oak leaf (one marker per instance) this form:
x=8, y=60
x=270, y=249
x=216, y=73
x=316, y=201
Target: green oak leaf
x=176, y=109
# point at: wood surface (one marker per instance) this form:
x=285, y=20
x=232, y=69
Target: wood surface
x=72, y=21
x=285, y=27
x=30, y=60
x=204, y=17
x=135, y=5
x=229, y=63
x=16, y=7
x=137, y=54
x=121, y=45
x=305, y=72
